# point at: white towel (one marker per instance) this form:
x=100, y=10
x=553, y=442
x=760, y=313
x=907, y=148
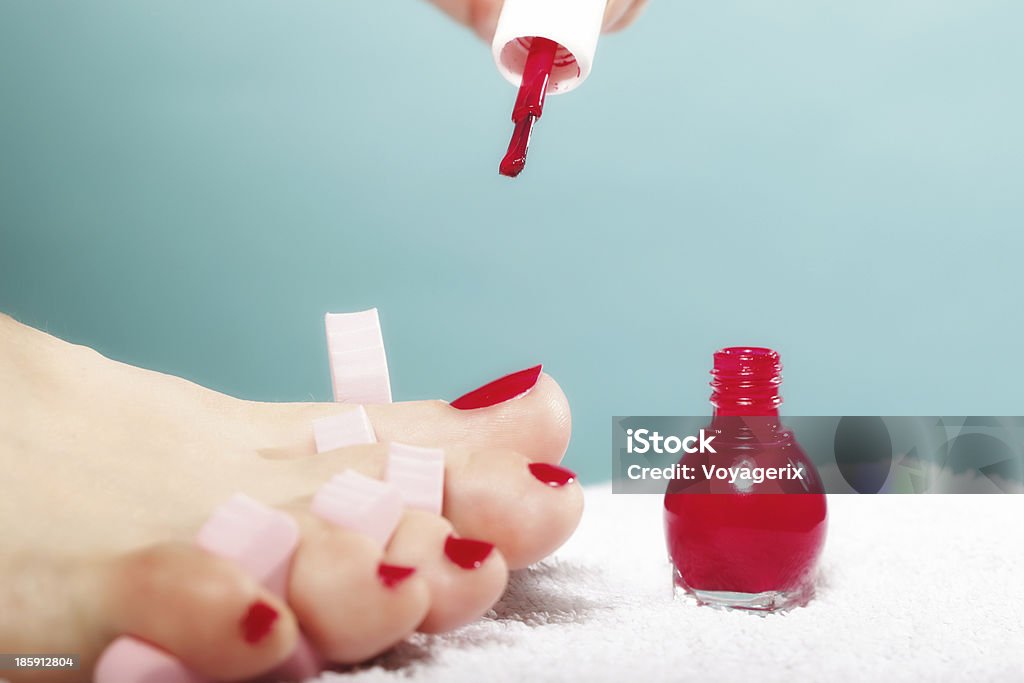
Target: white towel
x=911, y=588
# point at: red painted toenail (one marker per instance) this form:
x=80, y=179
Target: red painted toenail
x=500, y=390
x=392, y=574
x=552, y=475
x=466, y=552
x=258, y=622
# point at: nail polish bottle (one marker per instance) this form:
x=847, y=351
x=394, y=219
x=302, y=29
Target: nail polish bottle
x=543, y=48
x=744, y=544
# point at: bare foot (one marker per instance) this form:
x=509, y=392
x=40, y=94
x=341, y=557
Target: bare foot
x=109, y=470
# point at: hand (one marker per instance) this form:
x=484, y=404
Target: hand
x=482, y=15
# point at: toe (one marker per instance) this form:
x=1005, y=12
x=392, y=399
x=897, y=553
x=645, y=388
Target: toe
x=200, y=608
x=465, y=577
x=526, y=509
x=536, y=422
x=351, y=604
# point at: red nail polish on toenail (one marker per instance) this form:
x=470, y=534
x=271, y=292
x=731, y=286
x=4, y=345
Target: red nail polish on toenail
x=258, y=622
x=552, y=475
x=500, y=390
x=392, y=574
x=466, y=552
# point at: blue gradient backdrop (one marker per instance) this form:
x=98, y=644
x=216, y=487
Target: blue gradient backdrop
x=190, y=185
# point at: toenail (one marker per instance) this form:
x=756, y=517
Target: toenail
x=258, y=622
x=552, y=475
x=392, y=574
x=500, y=390
x=466, y=552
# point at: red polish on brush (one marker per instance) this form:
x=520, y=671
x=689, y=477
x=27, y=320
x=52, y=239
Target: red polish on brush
x=542, y=47
x=529, y=104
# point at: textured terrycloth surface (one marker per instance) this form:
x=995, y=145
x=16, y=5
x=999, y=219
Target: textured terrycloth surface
x=912, y=588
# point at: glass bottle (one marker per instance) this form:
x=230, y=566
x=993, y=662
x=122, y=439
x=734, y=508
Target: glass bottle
x=747, y=544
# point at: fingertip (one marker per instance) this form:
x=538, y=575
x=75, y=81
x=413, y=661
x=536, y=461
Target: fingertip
x=483, y=18
x=627, y=13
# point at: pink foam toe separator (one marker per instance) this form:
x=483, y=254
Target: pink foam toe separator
x=130, y=660
x=304, y=663
x=350, y=428
x=260, y=540
x=361, y=504
x=418, y=473
x=359, y=365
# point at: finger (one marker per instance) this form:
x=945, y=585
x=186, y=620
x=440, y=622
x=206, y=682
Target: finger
x=479, y=15
x=627, y=12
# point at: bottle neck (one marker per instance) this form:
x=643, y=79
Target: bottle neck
x=746, y=382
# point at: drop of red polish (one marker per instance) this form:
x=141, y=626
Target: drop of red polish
x=515, y=159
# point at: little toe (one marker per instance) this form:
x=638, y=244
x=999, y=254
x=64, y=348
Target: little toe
x=200, y=608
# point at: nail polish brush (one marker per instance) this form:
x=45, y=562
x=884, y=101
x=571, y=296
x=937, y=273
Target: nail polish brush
x=543, y=47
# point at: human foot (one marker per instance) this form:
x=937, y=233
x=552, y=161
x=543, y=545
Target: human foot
x=110, y=470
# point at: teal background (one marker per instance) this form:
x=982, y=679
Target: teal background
x=189, y=186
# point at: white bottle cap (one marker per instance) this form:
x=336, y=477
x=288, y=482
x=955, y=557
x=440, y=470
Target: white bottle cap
x=574, y=24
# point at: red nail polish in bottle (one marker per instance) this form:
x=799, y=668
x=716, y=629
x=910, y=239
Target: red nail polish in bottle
x=747, y=545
